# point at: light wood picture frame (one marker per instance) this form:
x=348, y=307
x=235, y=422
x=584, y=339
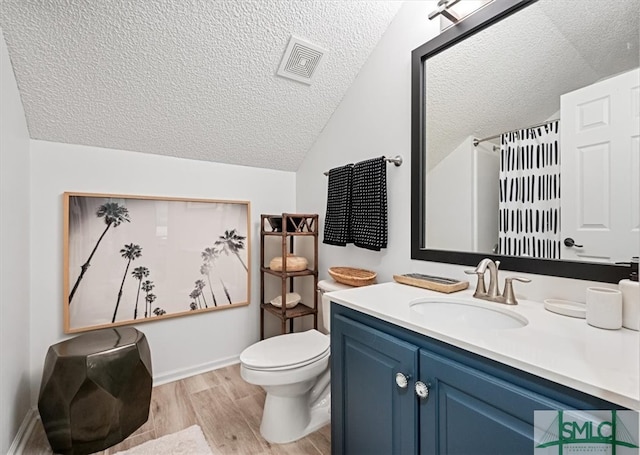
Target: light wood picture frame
x=132, y=259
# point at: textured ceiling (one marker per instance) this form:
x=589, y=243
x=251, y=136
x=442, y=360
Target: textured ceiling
x=193, y=79
x=511, y=76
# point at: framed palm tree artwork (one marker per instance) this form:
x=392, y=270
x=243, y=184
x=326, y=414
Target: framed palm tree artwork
x=133, y=259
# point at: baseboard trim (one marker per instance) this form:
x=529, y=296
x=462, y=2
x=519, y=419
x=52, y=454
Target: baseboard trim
x=24, y=432
x=182, y=373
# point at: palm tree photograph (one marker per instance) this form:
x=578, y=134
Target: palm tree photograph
x=232, y=243
x=113, y=214
x=130, y=252
x=139, y=273
x=132, y=259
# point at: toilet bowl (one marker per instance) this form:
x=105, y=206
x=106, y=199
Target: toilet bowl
x=293, y=369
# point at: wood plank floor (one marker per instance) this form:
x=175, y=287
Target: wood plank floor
x=226, y=408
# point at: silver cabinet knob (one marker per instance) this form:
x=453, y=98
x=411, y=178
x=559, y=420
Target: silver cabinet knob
x=422, y=390
x=402, y=380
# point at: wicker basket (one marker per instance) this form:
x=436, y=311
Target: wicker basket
x=352, y=276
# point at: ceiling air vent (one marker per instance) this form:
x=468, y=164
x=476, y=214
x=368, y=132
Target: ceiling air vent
x=300, y=61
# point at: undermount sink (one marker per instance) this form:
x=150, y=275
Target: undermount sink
x=466, y=314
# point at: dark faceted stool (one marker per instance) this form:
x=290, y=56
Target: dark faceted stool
x=96, y=390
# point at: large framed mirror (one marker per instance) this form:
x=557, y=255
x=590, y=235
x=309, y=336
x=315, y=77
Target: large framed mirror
x=525, y=141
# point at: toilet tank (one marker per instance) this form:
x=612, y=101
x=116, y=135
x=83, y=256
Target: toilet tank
x=328, y=286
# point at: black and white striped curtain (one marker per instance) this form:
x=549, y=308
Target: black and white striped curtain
x=530, y=192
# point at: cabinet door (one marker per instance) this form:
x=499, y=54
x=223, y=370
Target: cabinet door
x=470, y=412
x=370, y=413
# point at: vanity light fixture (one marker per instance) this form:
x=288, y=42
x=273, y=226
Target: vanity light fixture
x=443, y=9
x=451, y=16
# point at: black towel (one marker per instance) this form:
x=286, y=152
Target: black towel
x=336, y=224
x=369, y=204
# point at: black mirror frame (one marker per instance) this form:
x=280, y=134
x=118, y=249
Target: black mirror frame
x=490, y=14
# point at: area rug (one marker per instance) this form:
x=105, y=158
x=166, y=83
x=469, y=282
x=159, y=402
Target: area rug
x=189, y=441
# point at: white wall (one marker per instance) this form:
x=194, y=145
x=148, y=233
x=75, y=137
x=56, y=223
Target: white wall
x=486, y=173
x=374, y=119
x=14, y=256
x=179, y=346
x=450, y=200
x=462, y=199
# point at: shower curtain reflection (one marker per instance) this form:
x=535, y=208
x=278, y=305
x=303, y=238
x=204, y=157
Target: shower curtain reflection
x=529, y=194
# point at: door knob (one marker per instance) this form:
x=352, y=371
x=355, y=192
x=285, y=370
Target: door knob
x=422, y=390
x=570, y=242
x=402, y=380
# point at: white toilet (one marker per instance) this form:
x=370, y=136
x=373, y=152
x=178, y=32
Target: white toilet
x=294, y=371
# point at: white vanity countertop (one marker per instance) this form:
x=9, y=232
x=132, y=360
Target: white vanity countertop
x=562, y=349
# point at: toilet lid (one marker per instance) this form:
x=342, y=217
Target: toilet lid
x=290, y=350
x=330, y=286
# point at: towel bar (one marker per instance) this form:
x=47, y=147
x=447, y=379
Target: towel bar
x=397, y=160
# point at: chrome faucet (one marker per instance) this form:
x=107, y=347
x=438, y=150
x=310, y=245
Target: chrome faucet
x=493, y=293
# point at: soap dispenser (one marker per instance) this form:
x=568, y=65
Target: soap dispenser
x=630, y=289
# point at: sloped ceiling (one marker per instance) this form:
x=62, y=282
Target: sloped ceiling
x=192, y=79
x=512, y=75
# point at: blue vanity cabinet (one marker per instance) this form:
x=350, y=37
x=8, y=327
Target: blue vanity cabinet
x=373, y=415
x=470, y=412
x=474, y=405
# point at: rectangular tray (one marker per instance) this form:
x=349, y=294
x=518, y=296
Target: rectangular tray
x=434, y=283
